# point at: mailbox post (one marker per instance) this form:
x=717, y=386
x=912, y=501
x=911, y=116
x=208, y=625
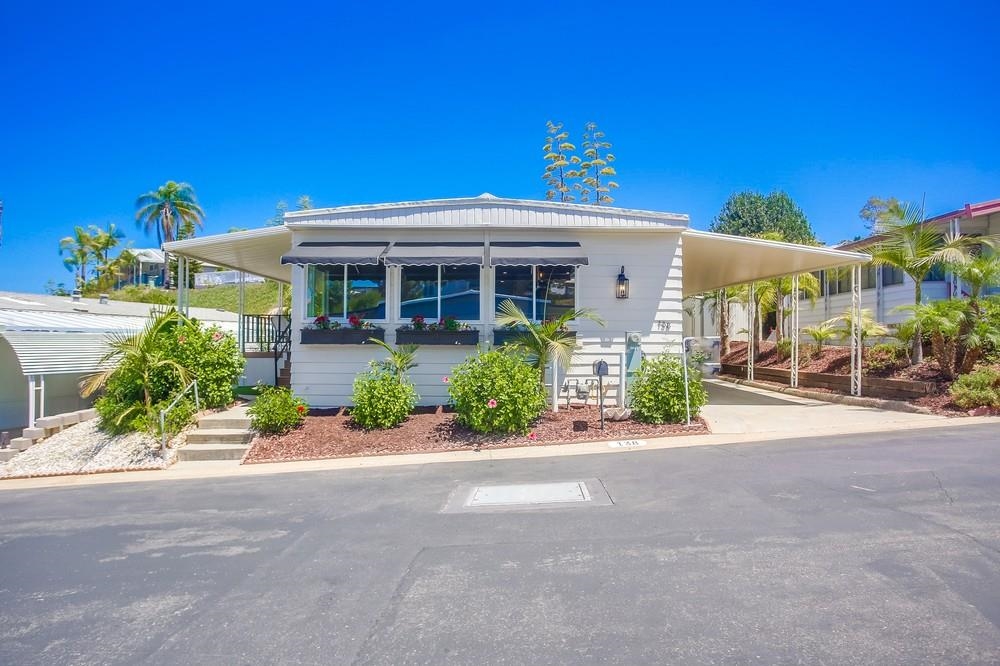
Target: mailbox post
x=601, y=371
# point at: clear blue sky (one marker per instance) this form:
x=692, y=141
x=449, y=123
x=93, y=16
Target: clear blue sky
x=369, y=102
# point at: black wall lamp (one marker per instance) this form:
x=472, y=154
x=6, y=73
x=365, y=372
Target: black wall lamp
x=621, y=286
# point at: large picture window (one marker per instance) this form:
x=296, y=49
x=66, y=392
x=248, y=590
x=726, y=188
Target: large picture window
x=435, y=292
x=542, y=292
x=344, y=290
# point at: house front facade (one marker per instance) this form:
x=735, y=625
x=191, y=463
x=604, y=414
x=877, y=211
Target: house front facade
x=403, y=266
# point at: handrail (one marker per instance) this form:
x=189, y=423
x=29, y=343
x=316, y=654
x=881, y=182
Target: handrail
x=282, y=344
x=163, y=412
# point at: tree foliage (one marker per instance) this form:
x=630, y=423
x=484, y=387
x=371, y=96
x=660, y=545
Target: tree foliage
x=561, y=168
x=595, y=170
x=753, y=214
x=877, y=210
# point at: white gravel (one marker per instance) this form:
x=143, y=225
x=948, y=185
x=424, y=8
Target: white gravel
x=82, y=449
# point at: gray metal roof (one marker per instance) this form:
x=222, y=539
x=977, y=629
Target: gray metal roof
x=44, y=353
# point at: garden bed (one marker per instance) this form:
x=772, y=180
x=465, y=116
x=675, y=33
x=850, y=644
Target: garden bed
x=331, y=434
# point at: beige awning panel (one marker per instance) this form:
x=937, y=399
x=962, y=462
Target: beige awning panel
x=712, y=261
x=256, y=251
x=444, y=253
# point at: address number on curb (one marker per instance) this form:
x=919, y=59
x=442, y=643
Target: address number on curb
x=627, y=443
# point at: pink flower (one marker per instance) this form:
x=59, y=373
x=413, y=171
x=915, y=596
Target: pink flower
x=532, y=435
x=492, y=403
x=445, y=379
x=216, y=336
x=181, y=339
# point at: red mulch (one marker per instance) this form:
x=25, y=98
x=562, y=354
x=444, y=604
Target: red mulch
x=331, y=434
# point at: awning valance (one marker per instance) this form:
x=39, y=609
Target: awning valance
x=539, y=253
x=335, y=252
x=445, y=253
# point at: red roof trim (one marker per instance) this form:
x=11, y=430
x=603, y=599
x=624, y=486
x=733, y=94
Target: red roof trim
x=970, y=210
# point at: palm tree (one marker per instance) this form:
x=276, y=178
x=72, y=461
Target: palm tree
x=957, y=335
x=978, y=273
x=542, y=343
x=140, y=352
x=169, y=209
x=820, y=333
x=105, y=240
x=79, y=251
x=869, y=326
x=402, y=358
x=906, y=243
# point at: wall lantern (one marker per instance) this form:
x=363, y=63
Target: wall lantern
x=621, y=287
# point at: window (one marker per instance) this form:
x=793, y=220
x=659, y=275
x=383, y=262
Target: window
x=344, y=290
x=891, y=275
x=868, y=277
x=936, y=274
x=542, y=292
x=440, y=291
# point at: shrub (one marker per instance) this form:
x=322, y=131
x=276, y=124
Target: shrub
x=980, y=388
x=211, y=355
x=885, y=357
x=382, y=399
x=784, y=348
x=657, y=391
x=496, y=392
x=276, y=411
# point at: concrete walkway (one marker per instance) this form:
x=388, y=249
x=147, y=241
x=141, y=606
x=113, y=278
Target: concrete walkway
x=737, y=415
x=736, y=409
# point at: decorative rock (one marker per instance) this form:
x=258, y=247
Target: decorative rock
x=69, y=419
x=21, y=443
x=48, y=422
x=617, y=413
x=87, y=414
x=33, y=434
x=7, y=454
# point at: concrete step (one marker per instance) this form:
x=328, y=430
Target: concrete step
x=219, y=436
x=211, y=451
x=224, y=422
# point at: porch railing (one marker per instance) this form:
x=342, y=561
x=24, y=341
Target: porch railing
x=262, y=333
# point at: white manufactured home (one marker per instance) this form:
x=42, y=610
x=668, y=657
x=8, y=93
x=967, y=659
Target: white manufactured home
x=460, y=258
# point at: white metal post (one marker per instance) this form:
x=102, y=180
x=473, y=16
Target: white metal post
x=31, y=401
x=621, y=379
x=41, y=395
x=240, y=333
x=856, y=346
x=555, y=387
x=751, y=330
x=794, y=333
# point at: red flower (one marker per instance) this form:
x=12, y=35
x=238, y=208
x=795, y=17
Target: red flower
x=301, y=409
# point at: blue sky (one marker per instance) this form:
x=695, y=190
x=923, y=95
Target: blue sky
x=369, y=102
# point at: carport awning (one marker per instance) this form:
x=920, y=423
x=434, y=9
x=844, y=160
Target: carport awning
x=256, y=251
x=527, y=253
x=345, y=252
x=712, y=261
x=51, y=353
x=446, y=253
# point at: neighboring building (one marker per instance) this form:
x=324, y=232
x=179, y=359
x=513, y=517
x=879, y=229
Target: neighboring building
x=148, y=270
x=463, y=257
x=49, y=343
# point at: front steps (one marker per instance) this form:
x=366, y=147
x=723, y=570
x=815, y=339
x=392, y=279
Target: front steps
x=222, y=436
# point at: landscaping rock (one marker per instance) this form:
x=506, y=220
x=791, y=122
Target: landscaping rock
x=33, y=433
x=72, y=418
x=51, y=424
x=7, y=454
x=87, y=414
x=21, y=443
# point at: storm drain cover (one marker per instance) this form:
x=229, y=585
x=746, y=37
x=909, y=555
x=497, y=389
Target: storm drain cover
x=525, y=496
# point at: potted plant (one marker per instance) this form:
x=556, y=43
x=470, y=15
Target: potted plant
x=447, y=331
x=511, y=332
x=323, y=331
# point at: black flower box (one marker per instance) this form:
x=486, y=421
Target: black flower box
x=341, y=336
x=437, y=337
x=502, y=336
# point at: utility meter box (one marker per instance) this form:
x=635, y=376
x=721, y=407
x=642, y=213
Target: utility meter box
x=600, y=368
x=633, y=353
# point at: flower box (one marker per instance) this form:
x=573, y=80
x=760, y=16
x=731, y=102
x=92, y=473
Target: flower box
x=409, y=336
x=341, y=336
x=502, y=335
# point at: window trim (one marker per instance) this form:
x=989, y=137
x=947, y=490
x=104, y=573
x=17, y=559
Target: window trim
x=307, y=293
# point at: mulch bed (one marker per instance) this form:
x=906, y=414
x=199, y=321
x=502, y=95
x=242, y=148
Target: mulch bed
x=331, y=434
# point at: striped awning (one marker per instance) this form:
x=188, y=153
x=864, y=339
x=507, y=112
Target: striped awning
x=50, y=353
x=537, y=253
x=443, y=253
x=335, y=252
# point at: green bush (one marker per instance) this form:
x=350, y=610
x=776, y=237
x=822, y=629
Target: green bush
x=885, y=357
x=656, y=393
x=496, y=392
x=382, y=399
x=980, y=388
x=276, y=411
x=211, y=355
x=784, y=348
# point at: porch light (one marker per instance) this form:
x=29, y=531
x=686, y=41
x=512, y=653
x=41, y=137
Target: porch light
x=621, y=286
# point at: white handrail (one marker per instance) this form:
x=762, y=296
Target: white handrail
x=163, y=412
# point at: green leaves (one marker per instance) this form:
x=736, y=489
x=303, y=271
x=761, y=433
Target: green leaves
x=382, y=399
x=276, y=410
x=496, y=392
x=656, y=393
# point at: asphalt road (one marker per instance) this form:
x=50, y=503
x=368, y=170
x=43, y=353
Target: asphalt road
x=855, y=550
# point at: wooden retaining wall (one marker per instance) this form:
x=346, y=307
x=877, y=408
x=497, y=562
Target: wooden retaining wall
x=872, y=387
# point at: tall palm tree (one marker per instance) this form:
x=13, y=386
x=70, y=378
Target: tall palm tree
x=78, y=251
x=544, y=342
x=978, y=273
x=105, y=240
x=170, y=208
x=906, y=243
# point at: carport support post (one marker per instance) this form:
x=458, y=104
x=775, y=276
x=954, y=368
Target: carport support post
x=751, y=333
x=856, y=346
x=240, y=321
x=555, y=386
x=794, y=333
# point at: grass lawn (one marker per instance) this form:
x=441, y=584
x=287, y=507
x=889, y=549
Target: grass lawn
x=261, y=298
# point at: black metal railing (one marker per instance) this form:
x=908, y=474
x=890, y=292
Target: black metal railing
x=262, y=332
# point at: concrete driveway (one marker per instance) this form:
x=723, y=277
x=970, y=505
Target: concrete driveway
x=736, y=409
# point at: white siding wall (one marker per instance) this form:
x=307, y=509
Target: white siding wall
x=323, y=374
x=62, y=392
